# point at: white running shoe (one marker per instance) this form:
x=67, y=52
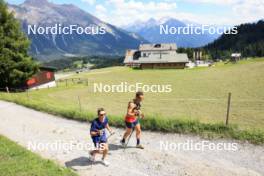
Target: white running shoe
x=91, y=157
x=139, y=146
x=123, y=144
x=106, y=163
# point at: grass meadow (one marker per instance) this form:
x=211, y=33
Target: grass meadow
x=196, y=104
x=17, y=161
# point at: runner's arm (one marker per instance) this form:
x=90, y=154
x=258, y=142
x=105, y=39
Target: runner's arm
x=141, y=115
x=108, y=128
x=131, y=111
x=94, y=131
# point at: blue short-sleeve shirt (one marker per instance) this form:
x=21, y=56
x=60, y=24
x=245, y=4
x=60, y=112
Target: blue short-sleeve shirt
x=96, y=126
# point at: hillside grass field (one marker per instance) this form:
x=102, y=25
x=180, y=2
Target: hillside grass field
x=17, y=161
x=197, y=103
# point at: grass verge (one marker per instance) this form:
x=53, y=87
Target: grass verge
x=17, y=161
x=158, y=123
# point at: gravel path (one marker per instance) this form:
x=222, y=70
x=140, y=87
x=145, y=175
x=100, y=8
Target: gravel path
x=29, y=127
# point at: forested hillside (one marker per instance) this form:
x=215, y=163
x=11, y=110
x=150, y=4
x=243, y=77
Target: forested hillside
x=249, y=41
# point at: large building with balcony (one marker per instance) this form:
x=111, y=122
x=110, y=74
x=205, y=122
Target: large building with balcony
x=153, y=56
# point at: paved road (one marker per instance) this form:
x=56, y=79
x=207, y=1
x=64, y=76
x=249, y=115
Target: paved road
x=63, y=141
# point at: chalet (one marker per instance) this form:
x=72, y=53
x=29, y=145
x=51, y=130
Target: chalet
x=45, y=78
x=156, y=56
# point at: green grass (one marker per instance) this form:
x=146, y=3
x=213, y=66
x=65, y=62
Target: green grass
x=17, y=161
x=197, y=103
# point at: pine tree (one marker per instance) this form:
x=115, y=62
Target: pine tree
x=16, y=66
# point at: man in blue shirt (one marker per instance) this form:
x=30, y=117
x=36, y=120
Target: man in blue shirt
x=98, y=135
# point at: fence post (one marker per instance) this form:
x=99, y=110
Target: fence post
x=228, y=108
x=27, y=94
x=80, y=106
x=87, y=82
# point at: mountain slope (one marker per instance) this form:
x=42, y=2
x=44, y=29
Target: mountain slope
x=150, y=30
x=53, y=46
x=249, y=41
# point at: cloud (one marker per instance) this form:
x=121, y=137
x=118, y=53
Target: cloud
x=216, y=2
x=252, y=10
x=100, y=8
x=90, y=2
x=125, y=12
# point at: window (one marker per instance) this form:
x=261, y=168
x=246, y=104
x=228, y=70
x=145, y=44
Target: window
x=48, y=75
x=157, y=46
x=136, y=55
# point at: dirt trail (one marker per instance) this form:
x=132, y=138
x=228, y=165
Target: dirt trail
x=27, y=126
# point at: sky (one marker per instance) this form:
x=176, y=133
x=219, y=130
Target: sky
x=126, y=12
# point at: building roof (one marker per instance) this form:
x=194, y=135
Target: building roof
x=236, y=55
x=157, y=47
x=46, y=68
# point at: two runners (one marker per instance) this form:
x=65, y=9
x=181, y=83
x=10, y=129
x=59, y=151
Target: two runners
x=98, y=126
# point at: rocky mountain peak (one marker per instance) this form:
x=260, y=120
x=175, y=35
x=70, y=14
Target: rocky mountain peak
x=36, y=2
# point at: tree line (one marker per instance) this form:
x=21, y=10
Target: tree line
x=93, y=62
x=249, y=41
